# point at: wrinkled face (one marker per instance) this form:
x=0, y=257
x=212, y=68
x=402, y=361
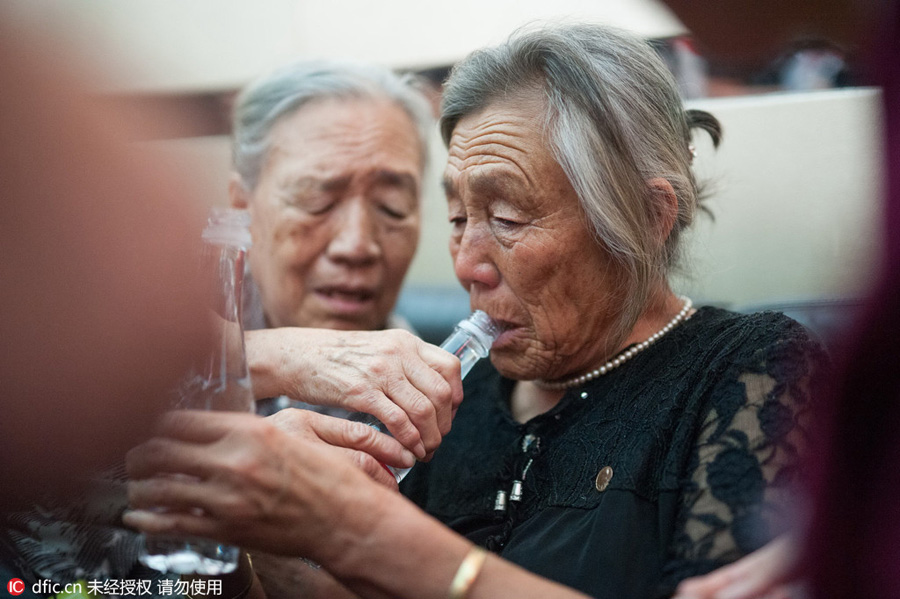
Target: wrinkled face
x=521, y=246
x=336, y=214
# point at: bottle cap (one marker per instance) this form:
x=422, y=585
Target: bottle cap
x=483, y=327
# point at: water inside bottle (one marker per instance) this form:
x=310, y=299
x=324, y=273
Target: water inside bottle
x=188, y=555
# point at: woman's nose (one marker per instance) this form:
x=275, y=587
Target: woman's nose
x=472, y=260
x=355, y=237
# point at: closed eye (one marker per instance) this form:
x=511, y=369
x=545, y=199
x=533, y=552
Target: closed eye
x=394, y=201
x=392, y=213
x=506, y=223
x=319, y=208
x=314, y=205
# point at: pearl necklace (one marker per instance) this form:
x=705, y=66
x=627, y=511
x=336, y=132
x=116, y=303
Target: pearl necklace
x=623, y=357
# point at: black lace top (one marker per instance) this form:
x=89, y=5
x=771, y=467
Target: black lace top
x=667, y=467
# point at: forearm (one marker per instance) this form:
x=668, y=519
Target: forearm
x=409, y=555
x=266, y=351
x=291, y=577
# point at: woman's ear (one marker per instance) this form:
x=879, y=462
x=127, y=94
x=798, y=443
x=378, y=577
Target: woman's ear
x=665, y=204
x=238, y=195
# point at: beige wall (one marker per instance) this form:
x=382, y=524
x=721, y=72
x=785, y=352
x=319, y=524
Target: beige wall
x=796, y=199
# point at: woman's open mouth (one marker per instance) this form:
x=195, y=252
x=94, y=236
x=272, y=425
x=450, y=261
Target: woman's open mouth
x=507, y=329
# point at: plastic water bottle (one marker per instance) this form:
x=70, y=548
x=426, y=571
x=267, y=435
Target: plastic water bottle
x=470, y=341
x=220, y=382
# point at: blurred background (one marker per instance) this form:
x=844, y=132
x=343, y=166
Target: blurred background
x=796, y=183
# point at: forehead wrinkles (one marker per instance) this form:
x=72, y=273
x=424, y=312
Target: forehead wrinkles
x=352, y=135
x=389, y=135
x=496, y=142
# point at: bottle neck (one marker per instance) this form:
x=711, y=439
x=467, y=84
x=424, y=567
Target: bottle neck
x=225, y=265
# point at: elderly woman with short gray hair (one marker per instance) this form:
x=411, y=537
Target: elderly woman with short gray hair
x=620, y=439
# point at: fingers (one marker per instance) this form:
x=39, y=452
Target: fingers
x=433, y=391
x=293, y=421
x=200, y=426
x=262, y=486
x=232, y=498
x=392, y=407
x=428, y=392
x=709, y=584
x=172, y=494
x=167, y=456
x=369, y=449
x=179, y=446
x=345, y=433
x=794, y=590
x=447, y=365
x=363, y=438
x=174, y=523
x=759, y=574
x=375, y=469
x=444, y=390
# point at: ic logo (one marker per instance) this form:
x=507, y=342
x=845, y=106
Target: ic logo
x=15, y=586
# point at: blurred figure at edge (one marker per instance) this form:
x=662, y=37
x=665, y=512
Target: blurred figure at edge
x=852, y=542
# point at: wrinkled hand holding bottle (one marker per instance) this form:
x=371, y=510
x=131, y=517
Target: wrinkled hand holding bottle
x=470, y=341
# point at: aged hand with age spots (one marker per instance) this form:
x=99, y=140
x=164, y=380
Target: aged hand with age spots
x=264, y=483
x=413, y=387
x=241, y=466
x=239, y=474
x=274, y=484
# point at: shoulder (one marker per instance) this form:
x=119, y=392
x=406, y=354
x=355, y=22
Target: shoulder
x=761, y=340
x=764, y=363
x=759, y=325
x=760, y=372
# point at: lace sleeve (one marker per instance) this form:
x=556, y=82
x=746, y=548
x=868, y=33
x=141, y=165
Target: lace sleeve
x=735, y=495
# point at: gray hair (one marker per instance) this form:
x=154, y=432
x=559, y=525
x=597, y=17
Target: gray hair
x=613, y=120
x=265, y=102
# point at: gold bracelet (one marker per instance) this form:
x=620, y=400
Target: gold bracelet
x=467, y=573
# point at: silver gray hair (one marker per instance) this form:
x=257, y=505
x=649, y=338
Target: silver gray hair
x=266, y=101
x=614, y=121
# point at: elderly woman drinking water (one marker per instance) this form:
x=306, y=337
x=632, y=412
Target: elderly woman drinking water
x=619, y=441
